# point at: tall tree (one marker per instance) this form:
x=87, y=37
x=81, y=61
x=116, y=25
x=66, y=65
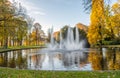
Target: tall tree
x=112, y=25
x=97, y=22
x=116, y=19
x=97, y=26
x=9, y=14
x=21, y=30
x=37, y=28
x=6, y=12
x=30, y=22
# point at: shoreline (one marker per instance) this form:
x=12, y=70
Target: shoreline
x=20, y=48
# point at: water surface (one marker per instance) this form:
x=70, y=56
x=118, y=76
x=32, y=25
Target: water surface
x=72, y=60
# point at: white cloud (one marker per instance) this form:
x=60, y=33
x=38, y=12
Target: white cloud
x=32, y=9
x=39, y=13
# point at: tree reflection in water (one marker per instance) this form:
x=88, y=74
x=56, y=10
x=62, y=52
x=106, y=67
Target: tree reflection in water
x=109, y=59
x=13, y=59
x=106, y=60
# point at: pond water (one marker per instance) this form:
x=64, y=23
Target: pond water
x=33, y=59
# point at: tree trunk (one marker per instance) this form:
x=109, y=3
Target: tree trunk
x=0, y=43
x=5, y=43
x=20, y=42
x=10, y=41
x=5, y=36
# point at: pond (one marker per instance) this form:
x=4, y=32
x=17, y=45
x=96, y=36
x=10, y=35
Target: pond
x=33, y=59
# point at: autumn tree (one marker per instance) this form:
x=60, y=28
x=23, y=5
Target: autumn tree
x=36, y=31
x=22, y=30
x=8, y=12
x=30, y=22
x=95, y=61
x=108, y=31
x=112, y=25
x=116, y=19
x=97, y=22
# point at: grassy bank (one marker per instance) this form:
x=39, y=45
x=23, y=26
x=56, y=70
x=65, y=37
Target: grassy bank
x=14, y=73
x=19, y=48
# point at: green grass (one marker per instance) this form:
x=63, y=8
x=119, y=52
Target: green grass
x=19, y=47
x=14, y=73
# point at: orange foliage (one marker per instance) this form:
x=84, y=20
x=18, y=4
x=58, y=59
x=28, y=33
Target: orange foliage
x=97, y=17
x=95, y=59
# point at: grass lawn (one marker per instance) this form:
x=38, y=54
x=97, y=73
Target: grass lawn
x=14, y=73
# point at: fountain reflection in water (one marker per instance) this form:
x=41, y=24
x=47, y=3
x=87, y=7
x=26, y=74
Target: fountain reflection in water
x=65, y=55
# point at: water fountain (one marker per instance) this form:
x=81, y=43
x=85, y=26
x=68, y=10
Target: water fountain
x=65, y=55
x=69, y=43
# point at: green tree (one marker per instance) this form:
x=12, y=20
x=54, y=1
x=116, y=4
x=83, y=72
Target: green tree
x=8, y=14
x=21, y=30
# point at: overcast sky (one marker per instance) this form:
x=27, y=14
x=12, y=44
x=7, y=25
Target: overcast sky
x=57, y=13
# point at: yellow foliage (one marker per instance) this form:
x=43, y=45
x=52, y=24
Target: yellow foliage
x=115, y=19
x=117, y=63
x=113, y=60
x=33, y=36
x=95, y=60
x=116, y=8
x=97, y=17
x=111, y=65
x=116, y=5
